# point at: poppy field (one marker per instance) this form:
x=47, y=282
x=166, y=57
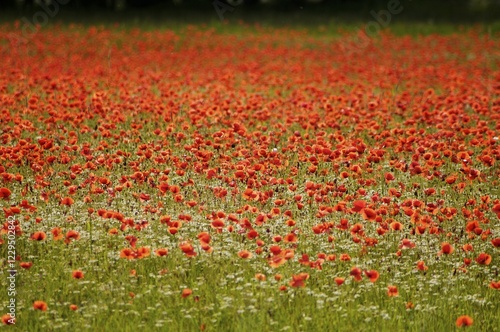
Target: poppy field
x=269, y=179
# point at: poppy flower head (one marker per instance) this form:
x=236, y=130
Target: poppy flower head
x=188, y=249
x=446, y=249
x=260, y=277
x=339, y=281
x=392, y=291
x=26, y=265
x=290, y=238
x=467, y=247
x=298, y=280
x=277, y=260
x=68, y=201
x=161, y=252
x=496, y=209
x=186, y=292
x=496, y=242
x=483, y=259
x=389, y=177
x=57, y=233
x=245, y=254
x=38, y=236
x=358, y=206
x=217, y=224
x=77, y=274
x=421, y=266
x=356, y=273
x=40, y=305
x=142, y=252
x=71, y=235
x=372, y=275
x=7, y=319
x=369, y=214
x=495, y=284
x=409, y=305
x=275, y=250
x=127, y=253
x=345, y=257
x=204, y=237
x=464, y=321
x=406, y=244
x=5, y=193
x=397, y=226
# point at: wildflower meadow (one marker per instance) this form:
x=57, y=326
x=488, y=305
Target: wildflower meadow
x=249, y=179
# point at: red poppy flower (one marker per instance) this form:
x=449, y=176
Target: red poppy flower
x=339, y=281
x=142, y=252
x=38, y=236
x=298, y=280
x=260, y=277
x=245, y=254
x=71, y=235
x=7, y=319
x=392, y=291
x=188, y=249
x=40, y=305
x=68, y=201
x=369, y=214
x=204, y=237
x=446, y=248
x=389, y=177
x=483, y=259
x=290, y=238
x=496, y=209
x=57, y=234
x=276, y=260
x=26, y=265
x=406, y=244
x=467, y=247
x=451, y=179
x=464, y=321
x=161, y=252
x=396, y=226
x=5, y=193
x=345, y=257
x=496, y=242
x=495, y=284
x=356, y=273
x=217, y=223
x=421, y=266
x=252, y=234
x=358, y=206
x=127, y=253
x=186, y=292
x=77, y=274
x=372, y=275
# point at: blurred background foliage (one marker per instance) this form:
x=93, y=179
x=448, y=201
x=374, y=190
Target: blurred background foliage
x=315, y=11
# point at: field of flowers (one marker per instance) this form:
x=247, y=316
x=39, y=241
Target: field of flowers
x=266, y=180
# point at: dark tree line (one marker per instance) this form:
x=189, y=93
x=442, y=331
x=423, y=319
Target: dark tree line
x=21, y=4
x=416, y=9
